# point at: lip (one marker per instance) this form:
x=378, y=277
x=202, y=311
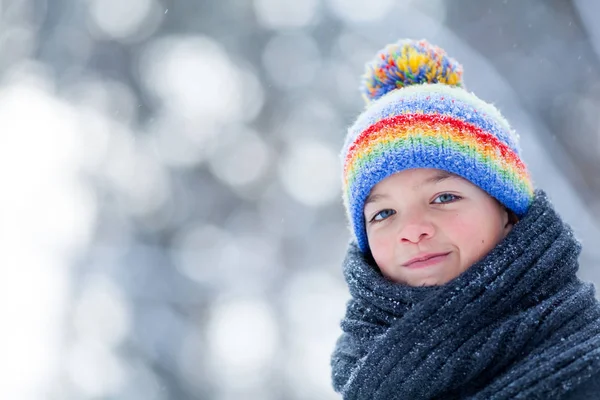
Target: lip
x=425, y=260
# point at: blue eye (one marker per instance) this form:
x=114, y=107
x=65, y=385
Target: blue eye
x=445, y=198
x=383, y=214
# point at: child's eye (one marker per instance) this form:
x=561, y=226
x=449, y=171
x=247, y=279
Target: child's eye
x=383, y=214
x=445, y=198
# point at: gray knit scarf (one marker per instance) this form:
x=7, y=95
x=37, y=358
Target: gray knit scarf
x=518, y=324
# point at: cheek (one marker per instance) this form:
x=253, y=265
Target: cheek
x=474, y=235
x=461, y=228
x=382, y=247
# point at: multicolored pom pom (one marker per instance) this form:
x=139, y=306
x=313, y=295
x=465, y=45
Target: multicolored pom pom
x=406, y=63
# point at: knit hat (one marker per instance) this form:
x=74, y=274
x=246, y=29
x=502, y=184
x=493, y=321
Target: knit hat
x=419, y=115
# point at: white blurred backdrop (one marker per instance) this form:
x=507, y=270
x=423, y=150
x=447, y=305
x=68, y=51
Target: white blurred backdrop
x=171, y=224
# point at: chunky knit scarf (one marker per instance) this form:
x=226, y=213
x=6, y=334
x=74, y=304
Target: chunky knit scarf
x=518, y=324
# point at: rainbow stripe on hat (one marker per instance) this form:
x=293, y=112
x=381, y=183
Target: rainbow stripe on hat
x=432, y=126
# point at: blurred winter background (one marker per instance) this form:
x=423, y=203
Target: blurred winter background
x=170, y=215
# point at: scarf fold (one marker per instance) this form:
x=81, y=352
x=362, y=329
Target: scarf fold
x=518, y=324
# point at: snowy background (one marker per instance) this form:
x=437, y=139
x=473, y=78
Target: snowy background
x=171, y=224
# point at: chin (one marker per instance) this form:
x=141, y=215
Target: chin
x=430, y=282
x=425, y=281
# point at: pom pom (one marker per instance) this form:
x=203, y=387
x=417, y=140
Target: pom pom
x=406, y=63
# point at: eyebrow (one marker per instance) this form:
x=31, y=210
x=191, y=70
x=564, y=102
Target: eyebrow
x=374, y=197
x=437, y=178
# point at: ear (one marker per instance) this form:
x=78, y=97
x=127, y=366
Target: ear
x=512, y=217
x=509, y=220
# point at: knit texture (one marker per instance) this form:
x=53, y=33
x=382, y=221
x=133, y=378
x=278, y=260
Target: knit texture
x=419, y=116
x=518, y=324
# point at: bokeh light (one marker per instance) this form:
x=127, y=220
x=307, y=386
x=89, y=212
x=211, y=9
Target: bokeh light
x=242, y=158
x=282, y=15
x=292, y=60
x=194, y=76
x=310, y=172
x=243, y=338
x=134, y=20
x=95, y=370
x=360, y=11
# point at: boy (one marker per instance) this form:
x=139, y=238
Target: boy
x=462, y=276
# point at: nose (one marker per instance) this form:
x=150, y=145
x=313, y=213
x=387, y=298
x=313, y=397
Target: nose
x=415, y=229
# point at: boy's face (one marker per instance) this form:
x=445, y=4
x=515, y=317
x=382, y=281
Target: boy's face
x=426, y=226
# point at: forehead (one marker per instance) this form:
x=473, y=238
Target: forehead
x=415, y=178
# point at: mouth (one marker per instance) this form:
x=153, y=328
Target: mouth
x=426, y=260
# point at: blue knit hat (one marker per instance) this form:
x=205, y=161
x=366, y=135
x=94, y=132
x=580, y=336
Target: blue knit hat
x=418, y=115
